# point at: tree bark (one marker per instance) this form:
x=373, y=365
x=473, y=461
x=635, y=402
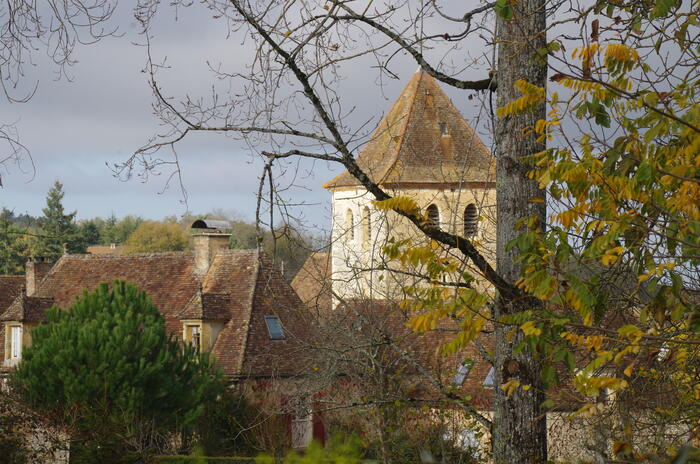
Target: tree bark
x=519, y=425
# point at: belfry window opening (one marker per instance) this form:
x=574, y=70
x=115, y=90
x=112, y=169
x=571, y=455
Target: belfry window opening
x=366, y=226
x=471, y=220
x=349, y=225
x=433, y=215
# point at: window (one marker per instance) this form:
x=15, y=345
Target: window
x=366, y=227
x=274, y=328
x=471, y=220
x=488, y=381
x=462, y=372
x=193, y=336
x=443, y=129
x=349, y=225
x=433, y=216
x=15, y=342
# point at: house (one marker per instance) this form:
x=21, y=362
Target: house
x=233, y=304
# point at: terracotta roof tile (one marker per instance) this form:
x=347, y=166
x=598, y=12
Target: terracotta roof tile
x=207, y=306
x=241, y=287
x=10, y=288
x=27, y=309
x=274, y=297
x=313, y=284
x=423, y=139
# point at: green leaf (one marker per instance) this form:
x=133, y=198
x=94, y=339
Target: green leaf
x=504, y=9
x=663, y=8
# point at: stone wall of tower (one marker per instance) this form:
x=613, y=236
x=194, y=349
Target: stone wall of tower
x=359, y=269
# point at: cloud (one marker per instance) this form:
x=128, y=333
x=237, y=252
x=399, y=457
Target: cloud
x=74, y=129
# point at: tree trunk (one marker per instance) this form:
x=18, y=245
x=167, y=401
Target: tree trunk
x=519, y=426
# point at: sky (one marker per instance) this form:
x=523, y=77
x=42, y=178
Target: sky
x=77, y=128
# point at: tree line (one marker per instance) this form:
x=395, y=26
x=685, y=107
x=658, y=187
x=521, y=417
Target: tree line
x=57, y=231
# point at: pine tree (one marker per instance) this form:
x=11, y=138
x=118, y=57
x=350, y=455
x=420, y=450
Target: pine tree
x=107, y=370
x=58, y=228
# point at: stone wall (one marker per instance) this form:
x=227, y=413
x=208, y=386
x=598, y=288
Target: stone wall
x=359, y=270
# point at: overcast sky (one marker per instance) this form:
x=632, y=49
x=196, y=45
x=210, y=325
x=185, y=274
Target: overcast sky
x=76, y=130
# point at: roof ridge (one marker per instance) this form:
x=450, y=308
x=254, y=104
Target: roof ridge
x=423, y=138
x=244, y=345
x=402, y=133
x=163, y=254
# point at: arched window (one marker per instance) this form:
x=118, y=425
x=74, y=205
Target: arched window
x=349, y=225
x=366, y=227
x=471, y=220
x=433, y=215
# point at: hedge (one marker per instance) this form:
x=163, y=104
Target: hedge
x=202, y=460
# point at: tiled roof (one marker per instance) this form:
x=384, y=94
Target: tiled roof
x=27, y=309
x=208, y=306
x=240, y=288
x=409, y=146
x=10, y=288
x=313, y=284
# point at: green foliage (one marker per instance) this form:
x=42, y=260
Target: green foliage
x=14, y=245
x=223, y=428
x=107, y=370
x=113, y=230
x=156, y=237
x=339, y=450
x=201, y=460
x=504, y=9
x=90, y=232
x=57, y=228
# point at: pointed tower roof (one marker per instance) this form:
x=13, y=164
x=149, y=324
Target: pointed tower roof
x=423, y=141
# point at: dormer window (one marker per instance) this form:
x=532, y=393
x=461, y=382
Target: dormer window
x=274, y=328
x=193, y=336
x=443, y=128
x=15, y=342
x=433, y=216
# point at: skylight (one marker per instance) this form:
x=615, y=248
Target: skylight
x=488, y=381
x=462, y=372
x=274, y=328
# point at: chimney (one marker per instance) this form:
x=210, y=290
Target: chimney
x=36, y=270
x=205, y=246
x=207, y=240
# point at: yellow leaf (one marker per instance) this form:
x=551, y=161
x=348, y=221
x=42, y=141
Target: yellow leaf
x=529, y=328
x=510, y=386
x=628, y=370
x=621, y=447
